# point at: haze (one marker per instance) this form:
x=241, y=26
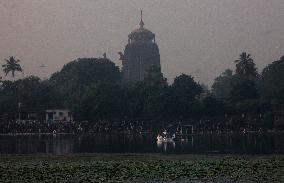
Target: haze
x=197, y=37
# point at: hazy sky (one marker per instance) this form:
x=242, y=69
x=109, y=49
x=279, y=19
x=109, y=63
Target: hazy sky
x=198, y=37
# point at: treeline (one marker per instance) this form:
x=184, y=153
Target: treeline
x=247, y=91
x=93, y=89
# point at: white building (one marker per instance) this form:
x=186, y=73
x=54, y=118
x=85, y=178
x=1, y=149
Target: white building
x=58, y=115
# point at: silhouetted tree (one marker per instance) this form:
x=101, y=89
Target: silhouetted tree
x=272, y=81
x=102, y=101
x=134, y=97
x=185, y=93
x=75, y=77
x=244, y=82
x=212, y=107
x=245, y=66
x=12, y=65
x=243, y=89
x=222, y=85
x=32, y=92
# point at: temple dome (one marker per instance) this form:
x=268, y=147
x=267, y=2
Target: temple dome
x=141, y=34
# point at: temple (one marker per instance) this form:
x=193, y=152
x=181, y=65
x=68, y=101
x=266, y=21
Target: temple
x=140, y=54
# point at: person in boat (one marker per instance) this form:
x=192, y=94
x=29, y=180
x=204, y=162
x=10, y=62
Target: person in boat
x=165, y=133
x=159, y=137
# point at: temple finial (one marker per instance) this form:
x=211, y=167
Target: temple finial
x=141, y=21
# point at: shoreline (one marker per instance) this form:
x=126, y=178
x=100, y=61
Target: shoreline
x=137, y=156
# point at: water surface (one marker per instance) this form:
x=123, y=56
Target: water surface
x=254, y=143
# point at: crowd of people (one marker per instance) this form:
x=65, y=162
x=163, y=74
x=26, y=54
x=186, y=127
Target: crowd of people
x=24, y=127
x=74, y=127
x=218, y=125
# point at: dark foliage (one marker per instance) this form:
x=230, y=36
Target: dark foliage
x=272, y=81
x=93, y=90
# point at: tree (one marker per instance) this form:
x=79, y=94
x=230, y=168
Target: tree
x=30, y=91
x=102, y=101
x=77, y=76
x=185, y=93
x=134, y=97
x=244, y=82
x=245, y=66
x=272, y=81
x=212, y=107
x=156, y=103
x=243, y=89
x=35, y=93
x=8, y=98
x=87, y=71
x=12, y=65
x=184, y=85
x=222, y=85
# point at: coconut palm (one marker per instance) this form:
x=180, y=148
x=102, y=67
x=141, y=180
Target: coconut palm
x=245, y=65
x=12, y=65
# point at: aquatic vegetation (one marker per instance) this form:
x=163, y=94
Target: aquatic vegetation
x=78, y=169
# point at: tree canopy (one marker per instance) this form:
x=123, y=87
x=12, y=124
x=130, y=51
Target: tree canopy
x=272, y=81
x=246, y=66
x=87, y=71
x=222, y=85
x=12, y=65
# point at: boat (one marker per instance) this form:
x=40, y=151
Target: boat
x=165, y=137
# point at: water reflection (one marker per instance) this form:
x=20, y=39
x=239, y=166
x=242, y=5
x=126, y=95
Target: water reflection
x=36, y=144
x=164, y=146
x=121, y=143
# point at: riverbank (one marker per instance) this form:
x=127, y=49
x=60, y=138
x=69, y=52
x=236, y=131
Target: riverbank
x=141, y=168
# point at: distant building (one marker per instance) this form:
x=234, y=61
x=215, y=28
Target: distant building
x=140, y=54
x=55, y=115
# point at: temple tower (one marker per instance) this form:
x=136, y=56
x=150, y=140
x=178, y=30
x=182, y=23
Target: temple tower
x=140, y=54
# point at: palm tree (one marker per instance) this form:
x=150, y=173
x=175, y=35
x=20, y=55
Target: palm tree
x=245, y=65
x=12, y=65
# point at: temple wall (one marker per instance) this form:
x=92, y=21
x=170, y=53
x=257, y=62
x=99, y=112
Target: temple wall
x=138, y=57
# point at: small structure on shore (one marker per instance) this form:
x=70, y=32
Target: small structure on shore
x=55, y=115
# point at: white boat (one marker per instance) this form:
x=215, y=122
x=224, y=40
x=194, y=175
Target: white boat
x=165, y=138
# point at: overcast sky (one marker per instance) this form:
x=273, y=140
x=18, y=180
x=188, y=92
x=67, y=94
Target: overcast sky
x=197, y=37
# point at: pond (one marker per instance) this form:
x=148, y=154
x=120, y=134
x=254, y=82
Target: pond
x=231, y=143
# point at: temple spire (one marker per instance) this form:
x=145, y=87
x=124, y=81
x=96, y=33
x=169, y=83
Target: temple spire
x=141, y=21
